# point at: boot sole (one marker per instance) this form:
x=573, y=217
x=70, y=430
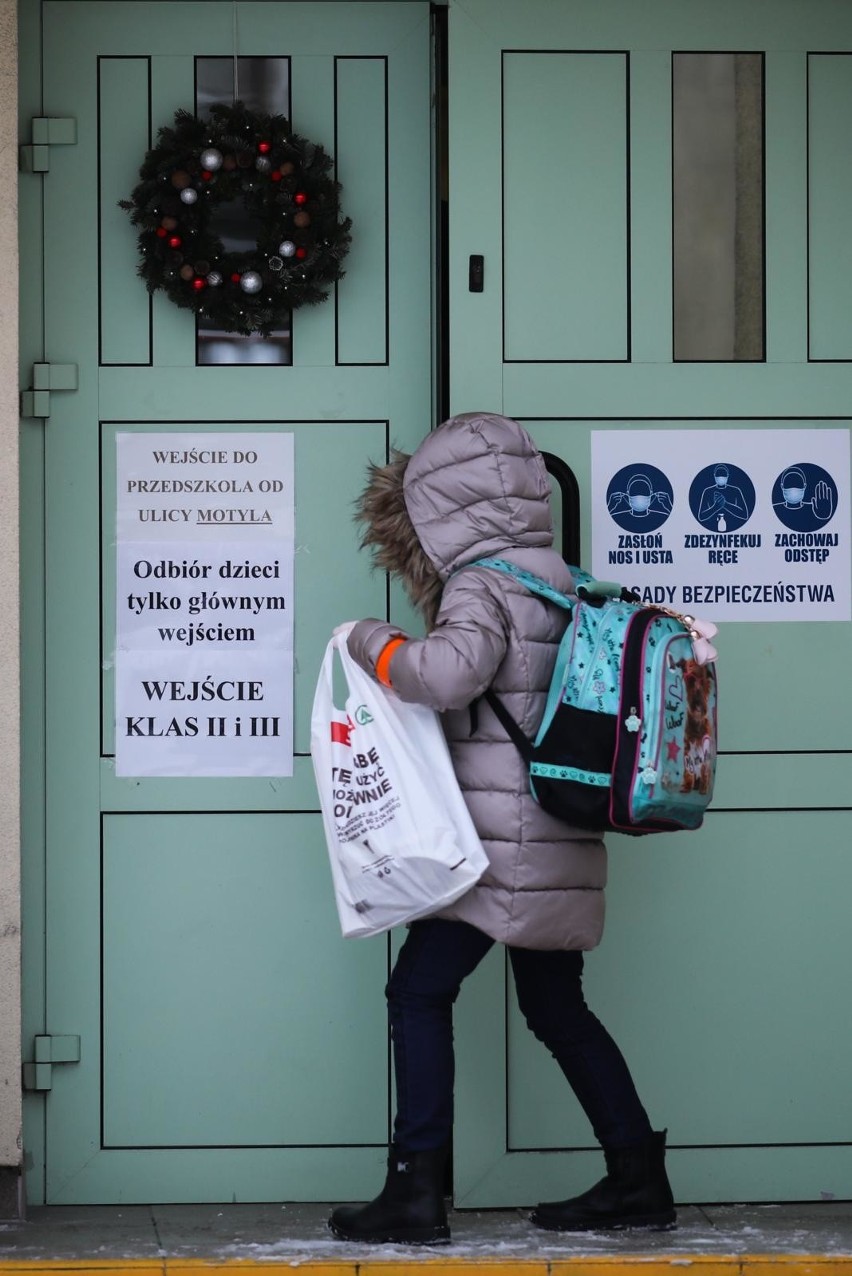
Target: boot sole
x=641, y=1222
x=397, y=1236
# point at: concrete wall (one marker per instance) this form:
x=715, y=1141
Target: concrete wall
x=10, y=912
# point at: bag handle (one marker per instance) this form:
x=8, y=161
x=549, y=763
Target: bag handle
x=597, y=592
x=599, y=589
x=325, y=678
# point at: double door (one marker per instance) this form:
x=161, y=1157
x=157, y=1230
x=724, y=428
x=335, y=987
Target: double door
x=232, y=1045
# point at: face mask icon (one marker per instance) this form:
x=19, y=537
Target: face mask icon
x=639, y=499
x=808, y=497
x=639, y=494
x=793, y=486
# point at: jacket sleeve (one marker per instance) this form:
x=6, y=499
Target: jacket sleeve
x=456, y=662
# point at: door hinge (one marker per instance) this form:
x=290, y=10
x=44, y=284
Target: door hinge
x=47, y=131
x=46, y=377
x=48, y=1050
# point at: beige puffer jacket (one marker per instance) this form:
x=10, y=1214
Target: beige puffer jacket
x=477, y=487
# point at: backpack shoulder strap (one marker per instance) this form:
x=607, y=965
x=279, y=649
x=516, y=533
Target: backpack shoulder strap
x=510, y=726
x=535, y=586
x=530, y=582
x=587, y=586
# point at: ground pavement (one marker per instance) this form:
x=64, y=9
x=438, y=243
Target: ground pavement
x=189, y=1240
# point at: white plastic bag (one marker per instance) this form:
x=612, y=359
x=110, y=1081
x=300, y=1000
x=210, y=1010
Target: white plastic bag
x=400, y=837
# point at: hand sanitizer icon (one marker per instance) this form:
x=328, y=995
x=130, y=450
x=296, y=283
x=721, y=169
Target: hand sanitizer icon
x=722, y=525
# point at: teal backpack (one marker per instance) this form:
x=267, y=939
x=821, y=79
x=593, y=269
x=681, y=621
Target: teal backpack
x=628, y=737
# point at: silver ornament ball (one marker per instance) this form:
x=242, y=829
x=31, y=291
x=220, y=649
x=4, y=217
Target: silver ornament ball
x=214, y=279
x=275, y=263
x=251, y=282
x=287, y=249
x=189, y=196
x=262, y=164
x=211, y=159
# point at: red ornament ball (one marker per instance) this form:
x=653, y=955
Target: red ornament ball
x=301, y=253
x=198, y=284
x=236, y=277
x=300, y=198
x=161, y=232
x=264, y=147
x=175, y=241
x=207, y=175
x=275, y=175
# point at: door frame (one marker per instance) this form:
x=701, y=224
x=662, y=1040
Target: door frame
x=10, y=710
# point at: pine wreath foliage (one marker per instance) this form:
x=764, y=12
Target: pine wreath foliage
x=276, y=175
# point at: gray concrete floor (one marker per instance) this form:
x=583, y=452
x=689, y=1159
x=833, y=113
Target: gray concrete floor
x=290, y=1233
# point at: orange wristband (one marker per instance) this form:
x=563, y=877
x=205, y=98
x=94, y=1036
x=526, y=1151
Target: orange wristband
x=383, y=662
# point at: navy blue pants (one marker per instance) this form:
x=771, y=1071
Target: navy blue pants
x=435, y=958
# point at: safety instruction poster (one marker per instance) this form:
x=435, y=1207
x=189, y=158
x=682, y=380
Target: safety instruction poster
x=204, y=604
x=733, y=524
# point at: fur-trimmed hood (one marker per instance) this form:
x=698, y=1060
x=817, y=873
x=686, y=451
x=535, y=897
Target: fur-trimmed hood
x=389, y=532
x=476, y=486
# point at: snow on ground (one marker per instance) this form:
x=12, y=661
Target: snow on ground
x=296, y=1234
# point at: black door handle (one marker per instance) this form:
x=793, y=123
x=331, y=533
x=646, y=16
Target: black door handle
x=570, y=490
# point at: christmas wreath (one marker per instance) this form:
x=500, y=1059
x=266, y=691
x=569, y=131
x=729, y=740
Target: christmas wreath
x=290, y=204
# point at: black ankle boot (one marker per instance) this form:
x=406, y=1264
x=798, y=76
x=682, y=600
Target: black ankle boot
x=409, y=1209
x=634, y=1193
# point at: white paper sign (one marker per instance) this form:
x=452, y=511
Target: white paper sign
x=726, y=524
x=204, y=601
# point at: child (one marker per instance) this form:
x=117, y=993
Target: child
x=476, y=487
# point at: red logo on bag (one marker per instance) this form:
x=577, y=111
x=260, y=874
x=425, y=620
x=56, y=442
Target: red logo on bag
x=341, y=733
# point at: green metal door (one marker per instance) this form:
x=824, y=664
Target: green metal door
x=723, y=971
x=232, y=1046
